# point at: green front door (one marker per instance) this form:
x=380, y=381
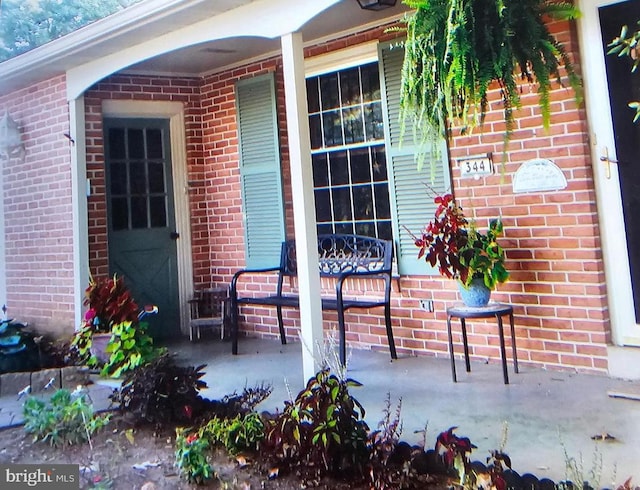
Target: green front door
x=141, y=219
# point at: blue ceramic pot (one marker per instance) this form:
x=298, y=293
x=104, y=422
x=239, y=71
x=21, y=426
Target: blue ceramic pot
x=476, y=294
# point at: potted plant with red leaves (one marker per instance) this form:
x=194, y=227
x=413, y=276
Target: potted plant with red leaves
x=112, y=334
x=462, y=252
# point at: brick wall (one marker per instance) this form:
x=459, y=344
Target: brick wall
x=553, y=248
x=38, y=210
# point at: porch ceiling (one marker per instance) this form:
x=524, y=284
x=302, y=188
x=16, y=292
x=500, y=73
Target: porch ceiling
x=213, y=56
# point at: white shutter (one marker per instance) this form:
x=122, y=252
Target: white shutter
x=260, y=171
x=411, y=191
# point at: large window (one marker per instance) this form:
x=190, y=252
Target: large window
x=348, y=153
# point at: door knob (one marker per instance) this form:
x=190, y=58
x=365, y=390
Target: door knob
x=174, y=235
x=607, y=161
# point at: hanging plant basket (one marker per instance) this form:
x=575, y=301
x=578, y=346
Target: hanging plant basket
x=456, y=49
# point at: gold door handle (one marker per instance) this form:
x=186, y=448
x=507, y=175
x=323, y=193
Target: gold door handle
x=608, y=161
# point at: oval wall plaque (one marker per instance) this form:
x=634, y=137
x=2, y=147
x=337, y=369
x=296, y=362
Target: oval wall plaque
x=538, y=175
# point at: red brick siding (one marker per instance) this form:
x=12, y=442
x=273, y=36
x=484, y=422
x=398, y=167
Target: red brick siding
x=38, y=210
x=553, y=248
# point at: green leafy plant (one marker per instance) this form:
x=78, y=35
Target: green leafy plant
x=322, y=431
x=241, y=433
x=456, y=50
x=626, y=45
x=67, y=418
x=130, y=347
x=161, y=392
x=458, y=249
x=191, y=457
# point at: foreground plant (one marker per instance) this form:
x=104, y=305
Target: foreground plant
x=191, y=457
x=161, y=392
x=454, y=452
x=322, y=431
x=241, y=433
x=386, y=470
x=67, y=418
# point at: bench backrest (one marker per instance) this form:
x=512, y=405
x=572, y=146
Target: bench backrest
x=342, y=253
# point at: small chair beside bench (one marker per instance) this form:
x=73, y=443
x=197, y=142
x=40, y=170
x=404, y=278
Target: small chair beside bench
x=339, y=256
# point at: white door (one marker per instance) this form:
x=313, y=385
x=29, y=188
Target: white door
x=615, y=142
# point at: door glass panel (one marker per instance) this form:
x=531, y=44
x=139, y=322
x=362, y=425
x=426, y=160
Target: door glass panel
x=116, y=143
x=136, y=143
x=137, y=179
x=139, y=212
x=154, y=143
x=158, y=210
x=156, y=177
x=118, y=178
x=119, y=213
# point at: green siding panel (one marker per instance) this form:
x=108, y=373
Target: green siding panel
x=412, y=191
x=260, y=171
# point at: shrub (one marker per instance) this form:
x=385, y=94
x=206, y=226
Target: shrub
x=161, y=392
x=322, y=431
x=241, y=433
x=68, y=418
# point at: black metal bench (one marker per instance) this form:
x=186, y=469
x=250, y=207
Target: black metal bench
x=339, y=256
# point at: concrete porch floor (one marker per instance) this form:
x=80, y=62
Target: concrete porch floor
x=546, y=412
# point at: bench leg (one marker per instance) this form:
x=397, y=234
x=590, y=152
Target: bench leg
x=234, y=327
x=343, y=337
x=283, y=337
x=387, y=320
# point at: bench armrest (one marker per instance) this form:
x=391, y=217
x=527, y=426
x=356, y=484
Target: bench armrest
x=236, y=277
x=383, y=275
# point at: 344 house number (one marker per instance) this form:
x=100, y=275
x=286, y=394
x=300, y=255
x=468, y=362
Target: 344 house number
x=476, y=166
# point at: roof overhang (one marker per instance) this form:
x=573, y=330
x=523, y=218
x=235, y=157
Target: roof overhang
x=181, y=37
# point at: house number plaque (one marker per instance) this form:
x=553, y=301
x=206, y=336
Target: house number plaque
x=476, y=166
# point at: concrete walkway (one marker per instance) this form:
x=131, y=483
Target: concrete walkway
x=550, y=416
x=545, y=412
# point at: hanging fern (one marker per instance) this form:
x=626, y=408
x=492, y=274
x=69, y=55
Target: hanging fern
x=455, y=49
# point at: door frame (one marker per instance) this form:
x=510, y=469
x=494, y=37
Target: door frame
x=174, y=111
x=611, y=220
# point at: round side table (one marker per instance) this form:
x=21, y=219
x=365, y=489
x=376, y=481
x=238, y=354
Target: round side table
x=497, y=310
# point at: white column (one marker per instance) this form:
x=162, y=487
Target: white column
x=303, y=201
x=79, y=192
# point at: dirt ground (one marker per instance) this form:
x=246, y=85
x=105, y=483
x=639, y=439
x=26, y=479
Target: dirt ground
x=146, y=462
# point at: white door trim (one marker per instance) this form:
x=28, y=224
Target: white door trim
x=611, y=220
x=174, y=111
